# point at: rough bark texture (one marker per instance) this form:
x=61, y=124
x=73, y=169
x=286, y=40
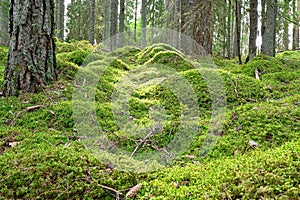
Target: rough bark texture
x=60, y=19
x=269, y=36
x=228, y=40
x=286, y=12
x=31, y=63
x=121, y=23
x=296, y=31
x=253, y=29
x=135, y=19
x=202, y=29
x=176, y=28
x=144, y=22
x=113, y=22
x=92, y=22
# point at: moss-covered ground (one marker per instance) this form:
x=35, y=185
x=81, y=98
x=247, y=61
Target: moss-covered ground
x=256, y=156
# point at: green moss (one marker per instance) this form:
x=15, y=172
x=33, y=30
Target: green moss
x=126, y=54
x=264, y=174
x=171, y=59
x=3, y=55
x=77, y=57
x=66, y=70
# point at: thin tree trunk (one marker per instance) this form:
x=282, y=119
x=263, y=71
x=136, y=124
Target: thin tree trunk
x=253, y=29
x=106, y=20
x=121, y=23
x=61, y=19
x=135, y=20
x=269, y=37
x=4, y=38
x=31, y=62
x=238, y=29
x=176, y=18
x=296, y=37
x=144, y=22
x=92, y=22
x=286, y=12
x=113, y=23
x=228, y=45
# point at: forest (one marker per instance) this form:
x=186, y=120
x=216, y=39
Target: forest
x=150, y=99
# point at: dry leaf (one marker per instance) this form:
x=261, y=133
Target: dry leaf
x=176, y=185
x=67, y=144
x=253, y=144
x=185, y=183
x=32, y=108
x=235, y=152
x=133, y=191
x=190, y=157
x=12, y=144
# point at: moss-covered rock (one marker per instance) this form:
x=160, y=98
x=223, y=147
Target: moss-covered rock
x=77, y=57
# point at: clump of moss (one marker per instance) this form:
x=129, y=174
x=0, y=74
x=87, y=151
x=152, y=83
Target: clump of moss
x=3, y=55
x=77, y=57
x=264, y=174
x=148, y=52
x=65, y=47
x=66, y=70
x=171, y=59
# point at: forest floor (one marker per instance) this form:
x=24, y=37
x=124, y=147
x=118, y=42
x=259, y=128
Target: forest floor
x=256, y=154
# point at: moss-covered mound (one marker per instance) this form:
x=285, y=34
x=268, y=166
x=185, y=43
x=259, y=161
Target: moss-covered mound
x=267, y=174
x=64, y=47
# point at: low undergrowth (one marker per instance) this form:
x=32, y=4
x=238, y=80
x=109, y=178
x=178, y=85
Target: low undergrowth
x=256, y=154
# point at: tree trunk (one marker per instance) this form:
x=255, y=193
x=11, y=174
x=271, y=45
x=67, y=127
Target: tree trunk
x=176, y=19
x=4, y=38
x=238, y=29
x=296, y=31
x=228, y=45
x=202, y=29
x=106, y=20
x=253, y=29
x=263, y=17
x=144, y=22
x=135, y=20
x=92, y=22
x=121, y=23
x=286, y=12
x=269, y=37
x=61, y=19
x=31, y=62
x=113, y=23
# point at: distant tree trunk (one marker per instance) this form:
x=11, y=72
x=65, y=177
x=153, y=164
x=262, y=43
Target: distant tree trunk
x=106, y=20
x=121, y=22
x=269, y=37
x=228, y=40
x=92, y=22
x=31, y=63
x=202, y=24
x=4, y=38
x=296, y=30
x=176, y=18
x=253, y=29
x=238, y=29
x=61, y=19
x=144, y=22
x=113, y=23
x=135, y=20
x=263, y=17
x=286, y=12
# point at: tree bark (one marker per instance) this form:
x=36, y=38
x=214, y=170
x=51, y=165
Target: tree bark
x=296, y=31
x=202, y=28
x=92, y=22
x=61, y=19
x=176, y=28
x=286, y=12
x=228, y=41
x=121, y=23
x=269, y=37
x=4, y=38
x=144, y=23
x=135, y=20
x=113, y=23
x=106, y=20
x=253, y=29
x=31, y=62
x=238, y=29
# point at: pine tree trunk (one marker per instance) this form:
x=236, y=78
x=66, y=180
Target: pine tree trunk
x=269, y=37
x=176, y=19
x=228, y=40
x=135, y=20
x=238, y=29
x=121, y=23
x=92, y=22
x=144, y=23
x=4, y=38
x=253, y=29
x=297, y=28
x=106, y=20
x=31, y=63
x=113, y=23
x=202, y=29
x=61, y=19
x=286, y=12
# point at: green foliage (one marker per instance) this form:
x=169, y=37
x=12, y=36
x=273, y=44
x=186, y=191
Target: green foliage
x=3, y=55
x=77, y=57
